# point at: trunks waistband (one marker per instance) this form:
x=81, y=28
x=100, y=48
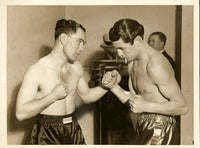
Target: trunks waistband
x=56, y=119
x=157, y=117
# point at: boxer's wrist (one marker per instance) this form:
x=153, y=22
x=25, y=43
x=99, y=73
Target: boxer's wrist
x=108, y=86
x=128, y=106
x=104, y=87
x=114, y=87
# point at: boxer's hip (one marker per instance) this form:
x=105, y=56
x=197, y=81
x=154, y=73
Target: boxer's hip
x=156, y=129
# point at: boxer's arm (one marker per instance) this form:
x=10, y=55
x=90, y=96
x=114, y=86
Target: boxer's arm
x=27, y=104
x=89, y=95
x=169, y=88
x=122, y=94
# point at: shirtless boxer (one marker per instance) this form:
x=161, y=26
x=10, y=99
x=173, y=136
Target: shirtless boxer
x=154, y=93
x=49, y=87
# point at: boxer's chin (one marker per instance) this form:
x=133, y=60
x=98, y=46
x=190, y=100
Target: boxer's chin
x=71, y=61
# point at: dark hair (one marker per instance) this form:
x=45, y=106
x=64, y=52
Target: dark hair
x=127, y=29
x=161, y=35
x=67, y=26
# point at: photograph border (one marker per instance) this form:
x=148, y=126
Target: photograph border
x=3, y=60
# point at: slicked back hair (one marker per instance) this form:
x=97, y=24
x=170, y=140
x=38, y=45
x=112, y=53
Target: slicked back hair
x=127, y=29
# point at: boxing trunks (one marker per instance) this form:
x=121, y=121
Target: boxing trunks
x=50, y=129
x=156, y=129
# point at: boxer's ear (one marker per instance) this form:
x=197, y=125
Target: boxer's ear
x=63, y=38
x=138, y=41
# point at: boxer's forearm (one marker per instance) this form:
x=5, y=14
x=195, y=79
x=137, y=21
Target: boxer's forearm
x=32, y=108
x=167, y=108
x=93, y=94
x=122, y=95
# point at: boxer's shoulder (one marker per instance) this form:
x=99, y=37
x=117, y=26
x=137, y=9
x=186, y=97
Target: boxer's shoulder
x=34, y=72
x=159, y=69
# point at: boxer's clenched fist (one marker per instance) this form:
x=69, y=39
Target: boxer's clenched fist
x=111, y=78
x=60, y=91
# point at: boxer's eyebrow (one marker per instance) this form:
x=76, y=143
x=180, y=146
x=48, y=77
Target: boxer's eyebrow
x=84, y=42
x=120, y=48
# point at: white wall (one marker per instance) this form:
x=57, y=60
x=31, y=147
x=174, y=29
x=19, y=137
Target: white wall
x=30, y=33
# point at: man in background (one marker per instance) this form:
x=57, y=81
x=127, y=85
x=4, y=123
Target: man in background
x=157, y=40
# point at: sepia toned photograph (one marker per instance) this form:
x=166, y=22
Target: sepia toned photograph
x=110, y=75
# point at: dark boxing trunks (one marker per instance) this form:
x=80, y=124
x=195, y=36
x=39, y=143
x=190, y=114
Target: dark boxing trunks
x=56, y=130
x=156, y=129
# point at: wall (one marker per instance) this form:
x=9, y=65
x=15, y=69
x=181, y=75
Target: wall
x=30, y=35
x=187, y=121
x=99, y=19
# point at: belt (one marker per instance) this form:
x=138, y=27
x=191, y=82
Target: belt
x=55, y=119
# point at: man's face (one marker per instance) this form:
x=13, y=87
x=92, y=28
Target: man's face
x=156, y=43
x=125, y=50
x=74, y=45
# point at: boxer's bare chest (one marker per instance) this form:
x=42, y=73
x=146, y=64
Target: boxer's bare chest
x=141, y=81
x=53, y=77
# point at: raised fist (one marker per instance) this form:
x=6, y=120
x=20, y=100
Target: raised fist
x=111, y=78
x=60, y=91
x=137, y=104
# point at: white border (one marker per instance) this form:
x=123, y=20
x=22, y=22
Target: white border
x=196, y=76
x=96, y=2
x=3, y=59
x=3, y=75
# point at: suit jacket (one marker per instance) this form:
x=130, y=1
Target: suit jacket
x=172, y=62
